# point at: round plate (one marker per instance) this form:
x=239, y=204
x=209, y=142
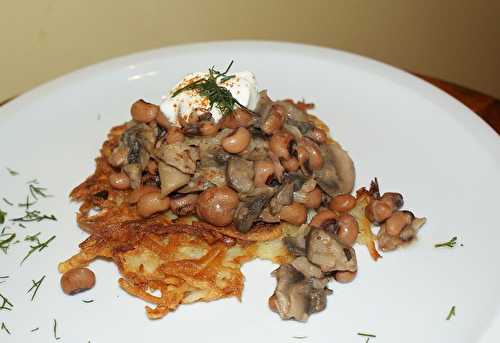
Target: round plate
x=413, y=137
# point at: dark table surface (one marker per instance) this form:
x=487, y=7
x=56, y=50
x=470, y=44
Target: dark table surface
x=486, y=107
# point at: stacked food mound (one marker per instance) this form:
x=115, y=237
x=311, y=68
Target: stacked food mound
x=218, y=175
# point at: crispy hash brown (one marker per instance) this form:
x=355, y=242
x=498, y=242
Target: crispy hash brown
x=186, y=261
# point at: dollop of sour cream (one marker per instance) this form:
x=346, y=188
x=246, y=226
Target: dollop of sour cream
x=243, y=87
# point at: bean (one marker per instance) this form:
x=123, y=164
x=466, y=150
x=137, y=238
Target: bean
x=295, y=213
x=397, y=221
x=302, y=155
x=377, y=211
x=275, y=120
x=395, y=200
x=174, y=135
x=136, y=194
x=342, y=203
x=242, y=117
x=344, y=276
x=263, y=170
x=152, y=203
x=347, y=230
x=322, y=216
x=216, y=205
x=143, y=111
x=162, y=120
x=184, y=205
x=291, y=165
x=236, y=142
x=77, y=280
x=208, y=129
x=279, y=144
x=313, y=198
x=119, y=156
x=119, y=180
x=315, y=160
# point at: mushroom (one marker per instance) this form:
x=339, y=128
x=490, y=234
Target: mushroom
x=240, y=174
x=337, y=174
x=171, y=178
x=309, y=270
x=264, y=104
x=179, y=155
x=297, y=297
x=251, y=207
x=283, y=197
x=133, y=171
x=325, y=251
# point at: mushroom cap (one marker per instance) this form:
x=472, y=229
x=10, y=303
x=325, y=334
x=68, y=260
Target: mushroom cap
x=337, y=174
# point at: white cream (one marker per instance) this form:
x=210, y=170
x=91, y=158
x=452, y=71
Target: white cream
x=243, y=88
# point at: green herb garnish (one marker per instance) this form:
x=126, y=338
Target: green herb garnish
x=35, y=287
x=55, y=330
x=4, y=327
x=12, y=172
x=209, y=87
x=88, y=301
x=299, y=337
x=34, y=216
x=451, y=313
x=3, y=277
x=35, y=329
x=6, y=304
x=27, y=203
x=7, y=201
x=39, y=246
x=450, y=244
x=2, y=216
x=5, y=243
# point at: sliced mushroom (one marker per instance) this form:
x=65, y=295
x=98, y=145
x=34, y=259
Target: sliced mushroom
x=283, y=197
x=239, y=174
x=257, y=150
x=337, y=174
x=179, y=155
x=309, y=270
x=264, y=104
x=325, y=251
x=251, y=207
x=171, y=178
x=133, y=171
x=297, y=297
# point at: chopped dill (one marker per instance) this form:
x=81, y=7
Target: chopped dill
x=88, y=301
x=2, y=216
x=5, y=243
x=366, y=335
x=5, y=200
x=6, y=304
x=11, y=171
x=451, y=313
x=39, y=246
x=35, y=329
x=4, y=327
x=34, y=216
x=35, y=287
x=450, y=244
x=55, y=330
x=27, y=203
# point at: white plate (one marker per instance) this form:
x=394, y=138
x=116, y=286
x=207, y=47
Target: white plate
x=412, y=136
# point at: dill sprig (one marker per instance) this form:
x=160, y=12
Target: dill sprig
x=4, y=327
x=55, y=330
x=37, y=191
x=209, y=87
x=27, y=203
x=5, y=243
x=39, y=246
x=2, y=216
x=34, y=216
x=35, y=329
x=34, y=288
x=450, y=244
x=11, y=171
x=5, y=200
x=451, y=313
x=4, y=277
x=6, y=304
x=88, y=301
